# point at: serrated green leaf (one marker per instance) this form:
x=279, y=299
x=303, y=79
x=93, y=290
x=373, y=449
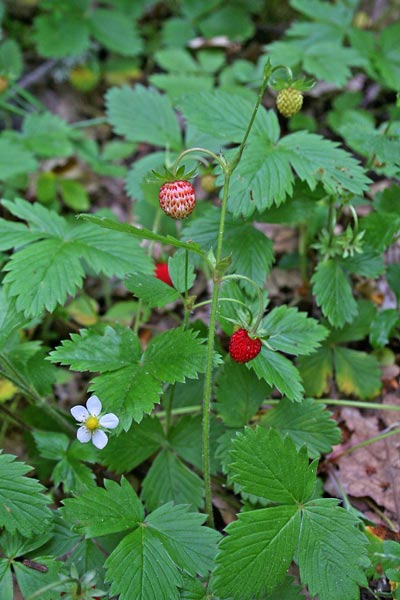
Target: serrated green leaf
x=23, y=506
x=308, y=424
x=101, y=511
x=61, y=34
x=357, y=372
x=255, y=556
x=51, y=445
x=315, y=371
x=380, y=228
x=190, y=545
x=333, y=293
x=141, y=568
x=175, y=355
x=130, y=392
x=147, y=564
x=11, y=59
x=115, y=31
x=151, y=290
x=239, y=394
x=31, y=581
x=330, y=537
x=185, y=438
x=10, y=318
x=15, y=160
x=358, y=329
x=368, y=264
x=92, y=350
x=131, y=448
x=169, y=479
x=6, y=580
x=267, y=465
x=143, y=115
x=279, y=372
x=290, y=331
x=382, y=327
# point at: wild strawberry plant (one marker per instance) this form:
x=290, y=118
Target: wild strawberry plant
x=196, y=390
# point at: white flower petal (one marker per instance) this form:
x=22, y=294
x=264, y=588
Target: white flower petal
x=109, y=421
x=83, y=434
x=94, y=406
x=79, y=413
x=99, y=439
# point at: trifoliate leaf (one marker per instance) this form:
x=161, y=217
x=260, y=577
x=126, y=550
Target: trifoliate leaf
x=292, y=332
x=239, y=394
x=143, y=115
x=330, y=538
x=115, y=31
x=151, y=290
x=23, y=506
x=316, y=370
x=255, y=556
x=187, y=542
x=131, y=448
x=333, y=293
x=279, y=372
x=170, y=480
x=357, y=373
x=267, y=465
x=43, y=273
x=101, y=511
x=149, y=562
x=141, y=568
x=308, y=423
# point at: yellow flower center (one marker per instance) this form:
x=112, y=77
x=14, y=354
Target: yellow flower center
x=92, y=423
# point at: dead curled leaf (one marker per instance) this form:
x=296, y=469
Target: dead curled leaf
x=371, y=471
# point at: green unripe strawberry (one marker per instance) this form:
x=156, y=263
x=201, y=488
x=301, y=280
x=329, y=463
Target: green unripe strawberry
x=289, y=101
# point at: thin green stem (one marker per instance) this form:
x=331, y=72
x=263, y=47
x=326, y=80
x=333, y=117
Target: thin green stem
x=168, y=401
x=331, y=221
x=219, y=159
x=353, y=403
x=209, y=363
x=52, y=586
x=186, y=300
x=12, y=109
x=29, y=98
x=236, y=276
x=89, y=123
x=185, y=410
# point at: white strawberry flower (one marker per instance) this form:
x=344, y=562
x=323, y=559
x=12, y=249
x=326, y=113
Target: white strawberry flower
x=93, y=423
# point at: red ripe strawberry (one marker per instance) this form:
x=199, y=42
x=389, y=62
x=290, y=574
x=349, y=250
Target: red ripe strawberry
x=242, y=347
x=161, y=272
x=177, y=199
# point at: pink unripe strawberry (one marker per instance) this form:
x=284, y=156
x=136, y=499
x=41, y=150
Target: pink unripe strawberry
x=242, y=347
x=161, y=272
x=177, y=199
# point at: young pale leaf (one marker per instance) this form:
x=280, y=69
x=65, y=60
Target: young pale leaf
x=143, y=115
x=151, y=290
x=141, y=568
x=23, y=506
x=131, y=448
x=357, y=373
x=279, y=372
x=267, y=465
x=190, y=545
x=308, y=424
x=101, y=511
x=330, y=539
x=239, y=394
x=333, y=293
x=169, y=479
x=292, y=332
x=316, y=370
x=255, y=556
